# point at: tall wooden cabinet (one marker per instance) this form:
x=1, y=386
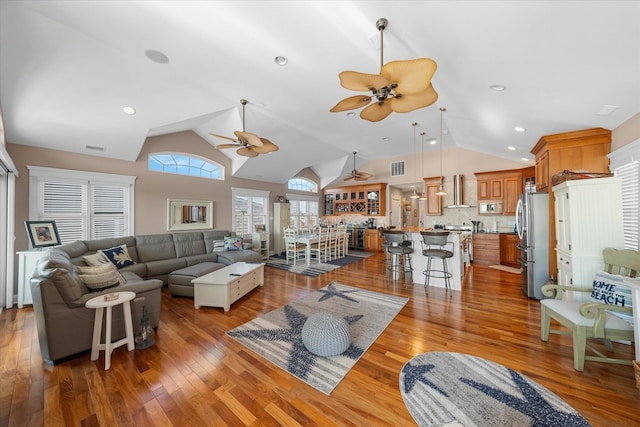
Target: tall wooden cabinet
x=588, y=218
x=281, y=220
x=584, y=150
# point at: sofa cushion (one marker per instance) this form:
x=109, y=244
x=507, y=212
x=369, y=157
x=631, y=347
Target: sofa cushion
x=197, y=259
x=230, y=257
x=188, y=244
x=154, y=247
x=118, y=255
x=100, y=277
x=56, y=266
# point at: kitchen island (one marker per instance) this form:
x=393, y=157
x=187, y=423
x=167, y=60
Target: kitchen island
x=456, y=264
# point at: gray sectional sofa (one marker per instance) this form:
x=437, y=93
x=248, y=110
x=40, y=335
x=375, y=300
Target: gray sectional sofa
x=65, y=326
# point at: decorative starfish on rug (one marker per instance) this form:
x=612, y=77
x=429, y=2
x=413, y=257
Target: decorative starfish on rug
x=331, y=291
x=533, y=405
x=300, y=360
x=415, y=373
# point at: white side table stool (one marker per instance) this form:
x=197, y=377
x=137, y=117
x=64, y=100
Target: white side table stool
x=99, y=303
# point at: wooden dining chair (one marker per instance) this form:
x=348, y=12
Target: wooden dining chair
x=295, y=251
x=594, y=320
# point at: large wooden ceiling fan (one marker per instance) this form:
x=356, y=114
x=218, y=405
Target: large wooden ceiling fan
x=250, y=145
x=401, y=86
x=356, y=174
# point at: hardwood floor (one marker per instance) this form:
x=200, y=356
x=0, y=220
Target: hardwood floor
x=195, y=375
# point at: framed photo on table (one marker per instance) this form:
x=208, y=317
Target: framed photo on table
x=42, y=233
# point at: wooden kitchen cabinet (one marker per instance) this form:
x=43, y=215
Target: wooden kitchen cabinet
x=372, y=240
x=512, y=191
x=509, y=252
x=434, y=202
x=367, y=200
x=486, y=248
x=584, y=150
x=489, y=185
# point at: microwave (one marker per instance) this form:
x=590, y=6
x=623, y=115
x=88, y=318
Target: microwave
x=491, y=207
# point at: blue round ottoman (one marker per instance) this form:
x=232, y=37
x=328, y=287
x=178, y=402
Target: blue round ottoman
x=324, y=334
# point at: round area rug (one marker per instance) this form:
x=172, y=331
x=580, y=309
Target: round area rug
x=455, y=389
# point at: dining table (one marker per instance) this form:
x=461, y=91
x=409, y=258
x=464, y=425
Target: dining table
x=310, y=238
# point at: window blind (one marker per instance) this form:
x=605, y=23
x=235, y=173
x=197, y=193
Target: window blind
x=630, y=175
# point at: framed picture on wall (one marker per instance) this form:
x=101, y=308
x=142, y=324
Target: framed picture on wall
x=42, y=233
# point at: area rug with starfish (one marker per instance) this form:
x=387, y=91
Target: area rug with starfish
x=315, y=268
x=455, y=389
x=277, y=336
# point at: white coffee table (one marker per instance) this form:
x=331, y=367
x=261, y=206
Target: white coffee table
x=223, y=287
x=99, y=303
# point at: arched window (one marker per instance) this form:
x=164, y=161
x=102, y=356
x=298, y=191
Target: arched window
x=185, y=164
x=302, y=184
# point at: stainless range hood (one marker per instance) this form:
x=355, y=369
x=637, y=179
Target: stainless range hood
x=458, y=192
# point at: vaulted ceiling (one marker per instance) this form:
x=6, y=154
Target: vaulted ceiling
x=67, y=69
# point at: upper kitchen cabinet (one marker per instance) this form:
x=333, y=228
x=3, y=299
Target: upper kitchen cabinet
x=356, y=199
x=579, y=150
x=584, y=150
x=434, y=202
x=500, y=187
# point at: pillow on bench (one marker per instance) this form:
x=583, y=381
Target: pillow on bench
x=610, y=289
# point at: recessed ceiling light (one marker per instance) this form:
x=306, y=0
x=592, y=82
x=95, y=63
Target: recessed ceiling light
x=433, y=141
x=281, y=60
x=351, y=114
x=156, y=56
x=524, y=159
x=519, y=129
x=511, y=147
x=129, y=110
x=607, y=109
x=498, y=88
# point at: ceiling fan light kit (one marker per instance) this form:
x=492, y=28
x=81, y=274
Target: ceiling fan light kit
x=400, y=87
x=248, y=144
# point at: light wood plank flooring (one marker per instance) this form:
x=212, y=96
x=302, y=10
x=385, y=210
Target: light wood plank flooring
x=196, y=376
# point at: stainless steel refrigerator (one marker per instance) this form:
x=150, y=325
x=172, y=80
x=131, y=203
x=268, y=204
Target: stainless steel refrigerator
x=532, y=225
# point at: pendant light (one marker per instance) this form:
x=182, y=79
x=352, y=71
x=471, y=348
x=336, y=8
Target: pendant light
x=422, y=195
x=415, y=168
x=441, y=191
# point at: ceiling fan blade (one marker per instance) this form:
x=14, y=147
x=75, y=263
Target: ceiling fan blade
x=414, y=101
x=223, y=146
x=224, y=137
x=354, y=80
x=412, y=76
x=247, y=152
x=351, y=103
x=362, y=176
x=267, y=147
x=251, y=138
x=348, y=177
x=376, y=112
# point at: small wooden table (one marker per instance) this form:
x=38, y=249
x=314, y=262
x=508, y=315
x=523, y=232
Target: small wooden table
x=223, y=287
x=99, y=303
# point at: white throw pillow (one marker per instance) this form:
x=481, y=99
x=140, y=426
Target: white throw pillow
x=610, y=289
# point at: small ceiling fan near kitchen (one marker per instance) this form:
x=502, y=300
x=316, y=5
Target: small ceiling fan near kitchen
x=355, y=174
x=401, y=86
x=248, y=144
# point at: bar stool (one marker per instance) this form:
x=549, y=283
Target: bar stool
x=433, y=246
x=400, y=249
x=385, y=246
